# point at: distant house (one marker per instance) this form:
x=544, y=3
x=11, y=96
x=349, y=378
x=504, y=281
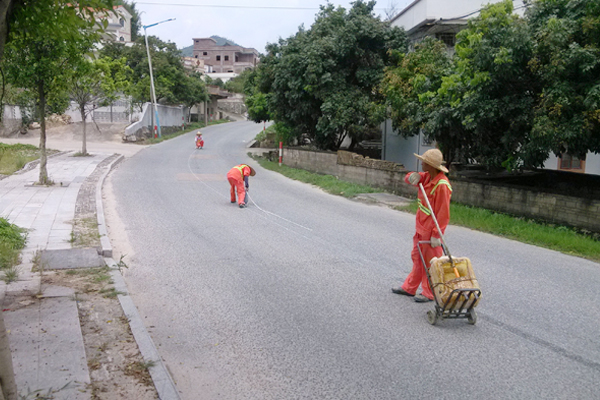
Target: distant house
x=119, y=24
x=224, y=59
x=194, y=64
x=441, y=19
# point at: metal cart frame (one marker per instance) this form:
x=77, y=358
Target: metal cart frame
x=460, y=303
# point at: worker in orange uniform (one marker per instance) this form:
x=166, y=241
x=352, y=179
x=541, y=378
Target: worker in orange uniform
x=238, y=179
x=438, y=189
x=199, y=140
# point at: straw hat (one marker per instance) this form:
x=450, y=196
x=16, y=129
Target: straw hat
x=434, y=158
x=252, y=171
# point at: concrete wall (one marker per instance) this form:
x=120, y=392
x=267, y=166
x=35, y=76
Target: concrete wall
x=560, y=209
x=170, y=119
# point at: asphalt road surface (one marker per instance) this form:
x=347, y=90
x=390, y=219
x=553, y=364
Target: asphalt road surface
x=290, y=298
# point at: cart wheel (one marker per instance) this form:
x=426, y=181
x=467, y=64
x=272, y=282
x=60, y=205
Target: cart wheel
x=432, y=317
x=472, y=317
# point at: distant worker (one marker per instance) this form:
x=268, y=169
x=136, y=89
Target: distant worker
x=438, y=189
x=238, y=179
x=199, y=140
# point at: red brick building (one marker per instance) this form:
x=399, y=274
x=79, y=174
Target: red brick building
x=228, y=58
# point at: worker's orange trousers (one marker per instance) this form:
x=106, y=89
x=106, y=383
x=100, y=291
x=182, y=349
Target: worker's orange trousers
x=237, y=185
x=418, y=275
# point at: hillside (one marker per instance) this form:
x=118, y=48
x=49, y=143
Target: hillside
x=221, y=41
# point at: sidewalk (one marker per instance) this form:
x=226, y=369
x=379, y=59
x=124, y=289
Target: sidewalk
x=46, y=338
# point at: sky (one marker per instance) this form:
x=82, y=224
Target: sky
x=249, y=23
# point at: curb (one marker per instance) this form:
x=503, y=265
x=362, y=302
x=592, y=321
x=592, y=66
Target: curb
x=163, y=382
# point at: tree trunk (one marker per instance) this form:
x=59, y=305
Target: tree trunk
x=83, y=144
x=43, y=159
x=8, y=387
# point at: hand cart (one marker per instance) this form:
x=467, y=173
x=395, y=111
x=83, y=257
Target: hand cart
x=461, y=302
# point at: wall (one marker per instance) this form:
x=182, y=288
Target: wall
x=401, y=150
x=560, y=209
x=170, y=118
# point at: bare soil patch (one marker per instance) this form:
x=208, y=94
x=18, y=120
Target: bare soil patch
x=117, y=369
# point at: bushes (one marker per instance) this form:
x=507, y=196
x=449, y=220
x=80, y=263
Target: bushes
x=12, y=240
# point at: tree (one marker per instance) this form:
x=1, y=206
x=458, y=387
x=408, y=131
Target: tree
x=409, y=87
x=567, y=60
x=97, y=83
x=168, y=70
x=193, y=90
x=47, y=40
x=322, y=82
x=492, y=90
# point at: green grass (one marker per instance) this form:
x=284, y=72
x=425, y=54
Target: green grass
x=560, y=238
x=12, y=240
x=329, y=183
x=188, y=128
x=13, y=157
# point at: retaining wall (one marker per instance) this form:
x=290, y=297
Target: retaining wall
x=582, y=213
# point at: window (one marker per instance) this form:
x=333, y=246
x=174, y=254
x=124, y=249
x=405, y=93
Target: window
x=449, y=38
x=122, y=21
x=226, y=58
x=197, y=41
x=237, y=59
x=121, y=39
x=568, y=161
x=196, y=56
x=218, y=58
x=205, y=53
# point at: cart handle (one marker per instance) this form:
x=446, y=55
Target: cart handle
x=439, y=230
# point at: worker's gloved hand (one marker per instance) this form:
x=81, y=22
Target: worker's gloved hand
x=247, y=188
x=436, y=242
x=414, y=178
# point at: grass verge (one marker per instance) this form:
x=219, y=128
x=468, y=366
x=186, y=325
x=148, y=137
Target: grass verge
x=13, y=157
x=188, y=128
x=12, y=240
x=560, y=238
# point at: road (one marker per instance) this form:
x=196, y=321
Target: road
x=290, y=298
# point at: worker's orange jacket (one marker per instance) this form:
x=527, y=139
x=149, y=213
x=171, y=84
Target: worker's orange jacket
x=239, y=172
x=438, y=192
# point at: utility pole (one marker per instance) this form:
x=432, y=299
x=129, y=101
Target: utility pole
x=156, y=122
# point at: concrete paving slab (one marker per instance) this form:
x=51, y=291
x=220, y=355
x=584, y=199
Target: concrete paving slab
x=47, y=347
x=71, y=258
x=384, y=198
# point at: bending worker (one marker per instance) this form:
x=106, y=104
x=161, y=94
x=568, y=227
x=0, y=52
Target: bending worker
x=238, y=179
x=438, y=189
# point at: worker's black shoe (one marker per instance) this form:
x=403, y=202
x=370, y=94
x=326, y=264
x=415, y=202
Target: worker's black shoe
x=242, y=205
x=399, y=290
x=421, y=299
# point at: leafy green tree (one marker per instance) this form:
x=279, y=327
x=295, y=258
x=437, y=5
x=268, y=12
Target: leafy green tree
x=567, y=60
x=323, y=82
x=492, y=90
x=238, y=84
x=192, y=91
x=46, y=42
x=168, y=70
x=97, y=83
x=411, y=86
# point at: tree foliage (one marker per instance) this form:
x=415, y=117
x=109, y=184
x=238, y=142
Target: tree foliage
x=173, y=85
x=567, y=60
x=322, y=82
x=47, y=41
x=493, y=90
x=97, y=83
